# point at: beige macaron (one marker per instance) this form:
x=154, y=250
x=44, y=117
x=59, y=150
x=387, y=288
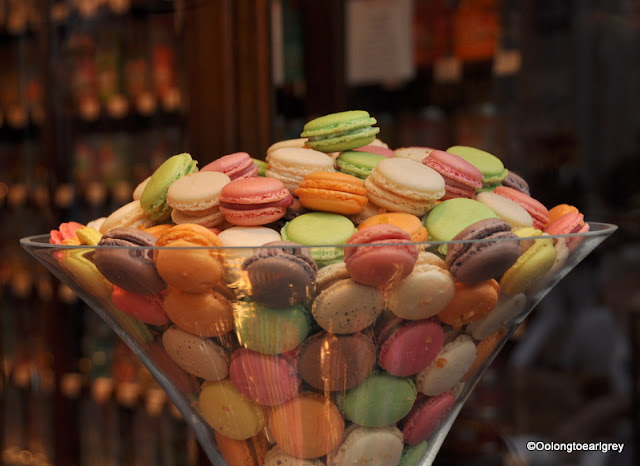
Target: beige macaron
x=129, y=215
x=195, y=198
x=288, y=143
x=425, y=292
x=199, y=356
x=448, y=368
x=508, y=210
x=291, y=164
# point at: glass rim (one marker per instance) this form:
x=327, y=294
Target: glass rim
x=596, y=229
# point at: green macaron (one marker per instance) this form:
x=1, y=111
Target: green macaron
x=380, y=400
x=271, y=330
x=262, y=166
x=320, y=229
x=154, y=196
x=489, y=165
x=358, y=163
x=341, y=131
x=412, y=454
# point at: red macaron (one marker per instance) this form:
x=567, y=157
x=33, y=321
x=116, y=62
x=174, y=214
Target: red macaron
x=254, y=201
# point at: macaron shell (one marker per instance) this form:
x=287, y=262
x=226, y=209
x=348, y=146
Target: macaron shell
x=380, y=446
x=381, y=400
x=484, y=350
x=197, y=191
x=489, y=165
x=203, y=314
x=290, y=165
x=249, y=452
x=536, y=209
x=450, y=217
x=426, y=417
x=307, y=426
x=408, y=222
x=332, y=192
x=236, y=165
x=508, y=307
x=145, y=308
x=228, y=412
x=455, y=170
x=319, y=228
x=331, y=362
x=199, y=356
x=278, y=457
x=340, y=131
x=506, y=209
x=470, y=303
x=347, y=307
x=270, y=331
x=129, y=215
x=571, y=222
x=266, y=379
x=449, y=366
x=298, y=143
x=417, y=154
x=425, y=292
x=411, y=347
x=413, y=454
x=358, y=163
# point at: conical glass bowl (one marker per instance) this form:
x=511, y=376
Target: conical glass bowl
x=300, y=361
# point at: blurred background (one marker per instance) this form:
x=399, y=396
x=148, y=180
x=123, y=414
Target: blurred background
x=94, y=94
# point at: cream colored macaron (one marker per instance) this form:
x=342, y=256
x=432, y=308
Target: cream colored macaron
x=199, y=356
x=290, y=165
x=508, y=210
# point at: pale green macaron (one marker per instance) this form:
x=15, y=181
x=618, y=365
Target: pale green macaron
x=320, y=229
x=412, y=455
x=491, y=167
x=358, y=163
x=341, y=131
x=154, y=196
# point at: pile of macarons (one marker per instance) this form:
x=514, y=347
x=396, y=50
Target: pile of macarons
x=327, y=305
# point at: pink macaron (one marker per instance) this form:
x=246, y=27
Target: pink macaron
x=535, y=208
x=254, y=201
x=571, y=222
x=461, y=179
x=374, y=149
x=236, y=165
x=407, y=347
x=65, y=231
x=392, y=259
x=427, y=414
x=267, y=379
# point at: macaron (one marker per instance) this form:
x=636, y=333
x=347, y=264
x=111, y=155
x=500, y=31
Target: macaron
x=249, y=452
x=415, y=153
x=205, y=314
x=461, y=178
x=448, y=367
x=470, y=302
x=270, y=330
x=376, y=147
x=145, y=308
x=320, y=229
x=332, y=362
x=332, y=192
x=236, y=165
x=485, y=351
x=489, y=165
x=139, y=189
x=517, y=182
x=390, y=257
x=507, y=309
x=195, y=198
x=403, y=185
x=427, y=290
x=533, y=263
x=191, y=261
x=124, y=258
x=412, y=454
x=239, y=244
x=130, y=215
x=278, y=457
x=254, y=201
x=261, y=165
x=381, y=400
x=84, y=273
x=347, y=307
x=559, y=210
x=508, y=210
x=281, y=273
x=483, y=250
x=330, y=274
x=229, y=412
x=267, y=379
x=450, y=217
x=307, y=426
x=66, y=230
x=380, y=446
x=200, y=356
x=297, y=143
x=290, y=165
x=358, y=163
x=340, y=131
x=571, y=222
x=154, y=197
x=426, y=416
x=536, y=209
x=407, y=347
x=408, y=222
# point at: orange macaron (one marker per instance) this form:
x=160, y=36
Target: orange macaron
x=335, y=192
x=408, y=222
x=470, y=303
